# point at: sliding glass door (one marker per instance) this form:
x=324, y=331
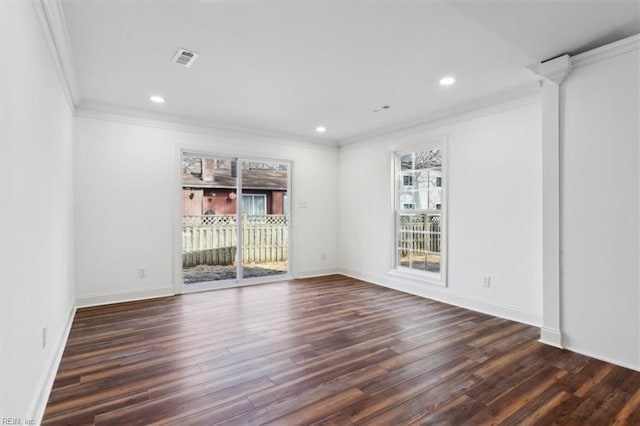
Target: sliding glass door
x=265, y=225
x=235, y=222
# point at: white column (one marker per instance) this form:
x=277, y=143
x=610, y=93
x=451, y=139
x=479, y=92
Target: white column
x=553, y=73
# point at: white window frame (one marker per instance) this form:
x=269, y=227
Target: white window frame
x=398, y=184
x=178, y=285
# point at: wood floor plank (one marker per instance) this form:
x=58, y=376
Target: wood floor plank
x=420, y=405
x=187, y=402
x=318, y=382
x=318, y=410
x=504, y=382
x=215, y=414
x=436, y=364
x=336, y=419
x=453, y=412
x=407, y=390
x=630, y=413
x=520, y=397
x=325, y=351
x=584, y=381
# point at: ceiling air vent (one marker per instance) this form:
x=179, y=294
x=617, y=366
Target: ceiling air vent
x=185, y=57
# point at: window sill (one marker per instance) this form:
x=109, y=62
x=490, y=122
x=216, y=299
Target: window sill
x=418, y=277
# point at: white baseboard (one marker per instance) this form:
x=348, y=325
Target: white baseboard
x=442, y=295
x=39, y=403
x=125, y=296
x=551, y=337
x=316, y=273
x=604, y=358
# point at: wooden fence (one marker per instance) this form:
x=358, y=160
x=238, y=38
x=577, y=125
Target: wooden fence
x=211, y=240
x=419, y=232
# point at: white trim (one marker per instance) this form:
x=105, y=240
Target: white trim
x=512, y=99
x=177, y=223
x=443, y=295
x=553, y=73
x=316, y=273
x=265, y=279
x=421, y=277
x=39, y=403
x=198, y=287
x=551, y=337
x=108, y=112
x=54, y=28
x=98, y=299
x=420, y=144
x=554, y=338
x=607, y=51
x=601, y=357
x=239, y=224
x=238, y=281
x=556, y=69
x=225, y=284
x=551, y=208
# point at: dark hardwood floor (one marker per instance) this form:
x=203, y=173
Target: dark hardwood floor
x=331, y=350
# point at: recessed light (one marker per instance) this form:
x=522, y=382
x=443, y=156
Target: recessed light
x=321, y=129
x=447, y=81
x=157, y=99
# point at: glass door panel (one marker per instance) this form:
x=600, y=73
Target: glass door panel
x=264, y=219
x=209, y=221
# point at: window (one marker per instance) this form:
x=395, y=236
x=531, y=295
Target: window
x=407, y=180
x=419, y=243
x=254, y=204
x=409, y=206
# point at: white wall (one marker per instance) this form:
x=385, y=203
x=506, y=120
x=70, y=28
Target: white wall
x=37, y=212
x=127, y=182
x=494, y=212
x=600, y=300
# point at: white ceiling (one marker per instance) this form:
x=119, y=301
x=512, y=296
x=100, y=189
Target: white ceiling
x=285, y=67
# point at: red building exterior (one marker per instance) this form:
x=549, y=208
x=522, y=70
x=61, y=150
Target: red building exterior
x=214, y=191
x=199, y=201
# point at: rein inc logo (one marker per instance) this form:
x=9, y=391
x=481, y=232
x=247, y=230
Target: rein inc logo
x=16, y=421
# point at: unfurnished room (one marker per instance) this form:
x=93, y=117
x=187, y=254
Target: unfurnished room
x=320, y=212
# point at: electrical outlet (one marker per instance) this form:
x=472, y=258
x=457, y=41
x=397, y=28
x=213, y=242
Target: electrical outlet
x=486, y=281
x=142, y=272
x=44, y=337
x=323, y=256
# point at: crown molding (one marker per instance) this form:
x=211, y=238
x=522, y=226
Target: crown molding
x=505, y=101
x=54, y=27
x=555, y=70
x=607, y=51
x=109, y=112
